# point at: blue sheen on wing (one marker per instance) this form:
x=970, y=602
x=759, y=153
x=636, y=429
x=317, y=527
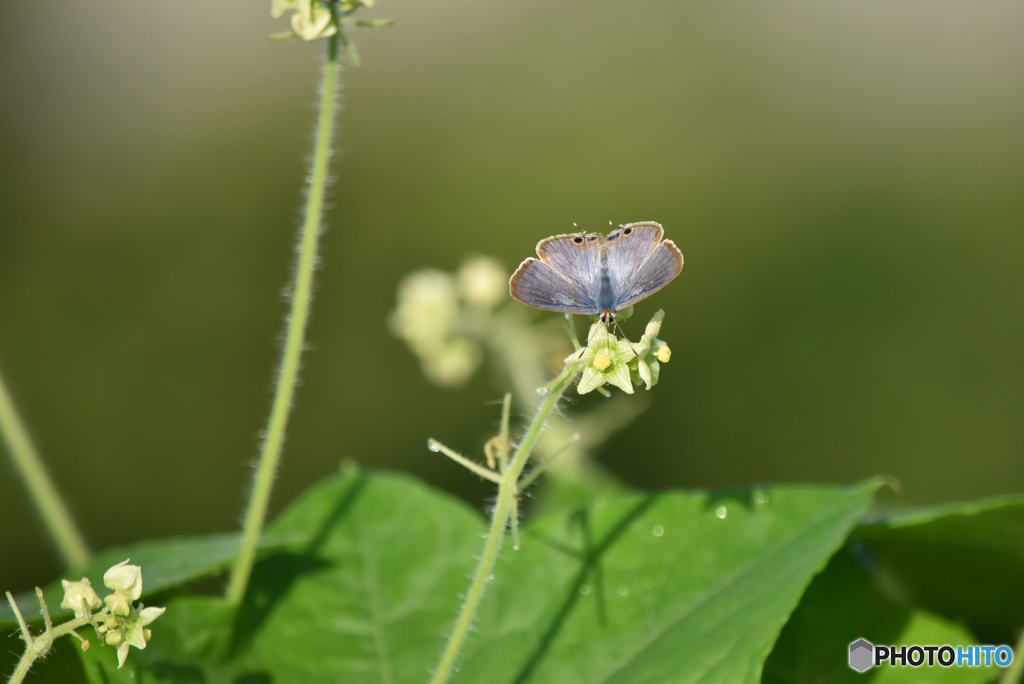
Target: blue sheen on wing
x=576, y=257
x=628, y=248
x=538, y=284
x=657, y=271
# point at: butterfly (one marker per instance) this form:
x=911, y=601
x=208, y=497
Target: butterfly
x=589, y=273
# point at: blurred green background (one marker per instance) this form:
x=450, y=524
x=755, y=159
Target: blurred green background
x=844, y=178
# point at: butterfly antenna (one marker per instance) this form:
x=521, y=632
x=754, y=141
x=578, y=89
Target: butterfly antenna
x=635, y=352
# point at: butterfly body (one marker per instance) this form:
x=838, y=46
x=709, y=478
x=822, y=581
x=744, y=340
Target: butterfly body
x=590, y=273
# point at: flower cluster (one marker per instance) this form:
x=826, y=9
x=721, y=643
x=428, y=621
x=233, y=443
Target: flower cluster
x=438, y=314
x=316, y=19
x=608, y=360
x=120, y=623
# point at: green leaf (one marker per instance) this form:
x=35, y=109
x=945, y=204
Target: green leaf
x=673, y=586
x=165, y=564
x=963, y=562
x=925, y=628
x=634, y=587
x=844, y=604
x=664, y=587
x=369, y=596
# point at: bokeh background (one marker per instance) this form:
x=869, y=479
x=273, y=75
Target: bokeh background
x=845, y=179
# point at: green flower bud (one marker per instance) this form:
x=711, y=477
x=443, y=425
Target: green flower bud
x=664, y=353
x=118, y=604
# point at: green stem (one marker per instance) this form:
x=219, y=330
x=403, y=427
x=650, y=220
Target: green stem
x=507, y=492
x=302, y=294
x=40, y=646
x=41, y=488
x=570, y=327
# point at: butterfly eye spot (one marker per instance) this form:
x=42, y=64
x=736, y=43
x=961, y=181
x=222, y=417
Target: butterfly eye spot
x=578, y=240
x=627, y=231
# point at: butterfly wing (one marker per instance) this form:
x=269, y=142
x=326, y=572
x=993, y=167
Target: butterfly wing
x=664, y=263
x=628, y=248
x=538, y=284
x=577, y=257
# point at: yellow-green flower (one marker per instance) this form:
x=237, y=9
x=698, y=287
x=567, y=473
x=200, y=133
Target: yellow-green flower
x=314, y=21
x=134, y=632
x=80, y=597
x=605, y=361
x=651, y=352
x=125, y=579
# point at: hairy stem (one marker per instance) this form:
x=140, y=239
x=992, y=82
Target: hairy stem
x=41, y=489
x=301, y=297
x=41, y=644
x=507, y=492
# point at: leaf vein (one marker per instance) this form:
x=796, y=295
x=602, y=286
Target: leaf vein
x=732, y=580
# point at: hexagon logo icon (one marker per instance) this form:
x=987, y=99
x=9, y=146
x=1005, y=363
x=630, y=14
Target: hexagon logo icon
x=862, y=655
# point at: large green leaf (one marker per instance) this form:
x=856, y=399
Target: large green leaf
x=661, y=587
x=678, y=586
x=964, y=562
x=370, y=595
x=844, y=604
